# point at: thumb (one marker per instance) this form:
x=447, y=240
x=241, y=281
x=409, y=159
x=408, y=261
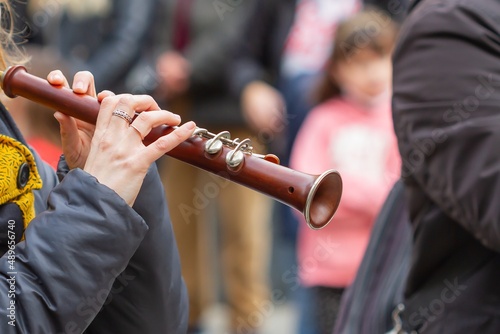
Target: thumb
x=70, y=138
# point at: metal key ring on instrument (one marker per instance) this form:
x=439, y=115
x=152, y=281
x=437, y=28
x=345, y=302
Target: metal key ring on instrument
x=214, y=145
x=236, y=156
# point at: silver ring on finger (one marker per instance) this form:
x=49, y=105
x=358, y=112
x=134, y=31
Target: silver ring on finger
x=123, y=115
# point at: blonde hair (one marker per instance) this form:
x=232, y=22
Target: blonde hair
x=10, y=53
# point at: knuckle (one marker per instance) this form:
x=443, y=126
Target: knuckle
x=54, y=72
x=144, y=117
x=129, y=163
x=108, y=92
x=149, y=100
x=87, y=74
x=170, y=114
x=177, y=136
x=126, y=99
x=164, y=144
x=108, y=102
x=146, y=96
x=105, y=143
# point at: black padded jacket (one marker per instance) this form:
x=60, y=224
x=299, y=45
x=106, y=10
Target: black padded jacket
x=446, y=107
x=89, y=262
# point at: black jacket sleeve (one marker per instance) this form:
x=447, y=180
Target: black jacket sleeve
x=62, y=273
x=149, y=297
x=447, y=111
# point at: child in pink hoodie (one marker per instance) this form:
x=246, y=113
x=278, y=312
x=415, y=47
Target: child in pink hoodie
x=351, y=131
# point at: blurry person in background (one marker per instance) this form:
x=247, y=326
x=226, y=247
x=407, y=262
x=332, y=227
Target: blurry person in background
x=106, y=37
x=350, y=130
x=279, y=60
x=192, y=75
x=277, y=64
x=36, y=122
x=283, y=48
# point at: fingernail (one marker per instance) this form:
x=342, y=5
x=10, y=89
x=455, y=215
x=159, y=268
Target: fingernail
x=56, y=77
x=190, y=125
x=58, y=116
x=78, y=85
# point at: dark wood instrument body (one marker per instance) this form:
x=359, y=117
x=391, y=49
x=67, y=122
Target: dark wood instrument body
x=283, y=184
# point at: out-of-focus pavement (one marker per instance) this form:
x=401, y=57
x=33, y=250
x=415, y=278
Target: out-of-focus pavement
x=279, y=315
x=282, y=319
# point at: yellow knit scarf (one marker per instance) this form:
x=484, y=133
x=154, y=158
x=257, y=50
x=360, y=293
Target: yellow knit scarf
x=18, y=177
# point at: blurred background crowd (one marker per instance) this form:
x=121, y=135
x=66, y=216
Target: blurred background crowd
x=307, y=80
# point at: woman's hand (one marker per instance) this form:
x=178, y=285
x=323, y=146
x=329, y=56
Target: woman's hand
x=113, y=150
x=263, y=108
x=76, y=135
x=118, y=157
x=173, y=70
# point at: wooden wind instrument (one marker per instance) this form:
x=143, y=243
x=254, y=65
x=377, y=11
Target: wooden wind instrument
x=317, y=197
